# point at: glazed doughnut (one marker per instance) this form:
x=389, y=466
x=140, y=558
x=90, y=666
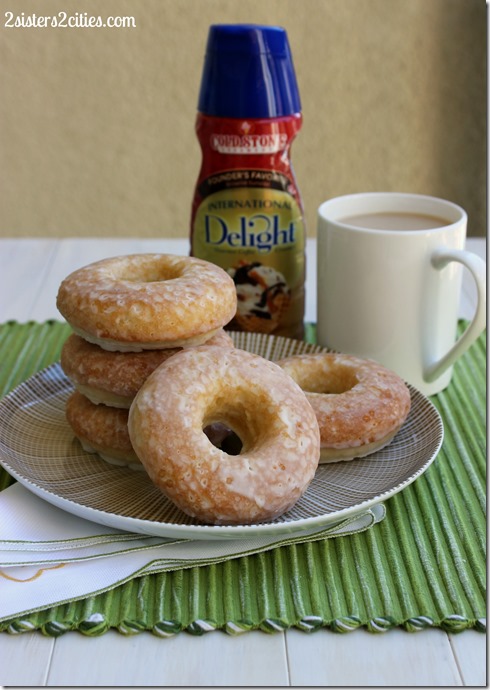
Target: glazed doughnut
x=359, y=404
x=147, y=301
x=251, y=396
x=114, y=378
x=102, y=430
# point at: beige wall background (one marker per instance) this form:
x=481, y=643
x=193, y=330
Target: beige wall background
x=97, y=125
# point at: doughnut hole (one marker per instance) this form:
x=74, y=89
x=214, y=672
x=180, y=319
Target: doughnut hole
x=323, y=379
x=224, y=438
x=236, y=427
x=150, y=270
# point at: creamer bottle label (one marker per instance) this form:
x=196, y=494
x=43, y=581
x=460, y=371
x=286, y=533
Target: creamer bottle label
x=247, y=218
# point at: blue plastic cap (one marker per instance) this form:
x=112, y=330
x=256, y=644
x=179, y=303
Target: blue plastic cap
x=248, y=73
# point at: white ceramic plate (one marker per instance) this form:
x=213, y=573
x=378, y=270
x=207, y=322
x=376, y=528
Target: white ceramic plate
x=37, y=447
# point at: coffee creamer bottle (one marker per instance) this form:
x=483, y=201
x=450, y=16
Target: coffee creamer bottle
x=247, y=215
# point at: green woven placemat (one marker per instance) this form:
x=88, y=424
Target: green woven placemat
x=423, y=566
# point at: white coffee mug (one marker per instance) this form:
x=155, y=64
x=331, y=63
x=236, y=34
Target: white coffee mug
x=389, y=272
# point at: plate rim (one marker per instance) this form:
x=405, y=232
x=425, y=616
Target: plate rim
x=209, y=532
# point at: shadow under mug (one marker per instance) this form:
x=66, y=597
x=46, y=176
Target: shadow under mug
x=392, y=294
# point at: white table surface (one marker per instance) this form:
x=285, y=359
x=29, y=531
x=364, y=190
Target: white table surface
x=30, y=273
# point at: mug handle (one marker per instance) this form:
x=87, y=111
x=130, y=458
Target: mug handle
x=477, y=267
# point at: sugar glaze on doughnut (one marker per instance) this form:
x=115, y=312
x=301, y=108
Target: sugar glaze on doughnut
x=253, y=397
x=360, y=405
x=147, y=301
x=114, y=378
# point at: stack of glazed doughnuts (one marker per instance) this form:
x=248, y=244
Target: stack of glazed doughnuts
x=156, y=377
x=129, y=314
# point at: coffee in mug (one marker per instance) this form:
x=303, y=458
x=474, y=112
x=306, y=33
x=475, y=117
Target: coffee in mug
x=395, y=221
x=389, y=273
